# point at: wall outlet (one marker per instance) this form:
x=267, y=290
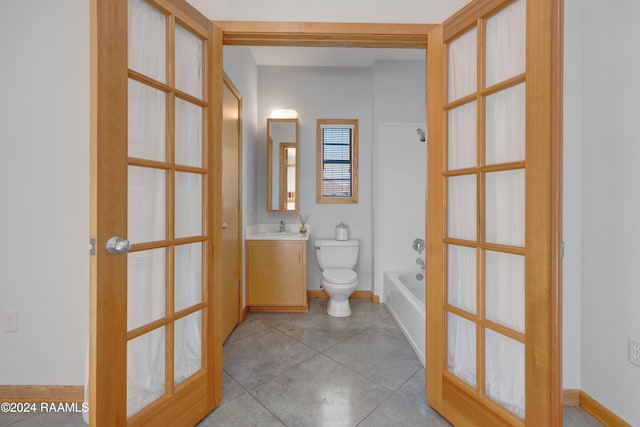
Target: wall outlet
x=634, y=352
x=11, y=321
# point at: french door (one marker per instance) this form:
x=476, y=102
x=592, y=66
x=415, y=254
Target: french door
x=493, y=328
x=155, y=349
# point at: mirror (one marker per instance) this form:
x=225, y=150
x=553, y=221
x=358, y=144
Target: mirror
x=282, y=165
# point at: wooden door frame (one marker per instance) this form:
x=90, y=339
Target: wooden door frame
x=229, y=83
x=350, y=35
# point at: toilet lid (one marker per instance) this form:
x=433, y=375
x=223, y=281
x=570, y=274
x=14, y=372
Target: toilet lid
x=339, y=276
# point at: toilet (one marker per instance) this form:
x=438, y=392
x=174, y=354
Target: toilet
x=337, y=259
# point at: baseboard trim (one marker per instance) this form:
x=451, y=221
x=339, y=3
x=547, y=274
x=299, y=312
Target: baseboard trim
x=600, y=412
x=375, y=299
x=42, y=393
x=245, y=312
x=571, y=397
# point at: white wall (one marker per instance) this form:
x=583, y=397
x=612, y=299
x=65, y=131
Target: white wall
x=610, y=204
x=321, y=93
x=572, y=184
x=44, y=188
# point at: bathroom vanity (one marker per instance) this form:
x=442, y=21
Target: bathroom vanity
x=276, y=269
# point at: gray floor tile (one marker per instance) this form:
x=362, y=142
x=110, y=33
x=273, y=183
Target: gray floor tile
x=243, y=411
x=381, y=358
x=574, y=416
x=320, y=392
x=399, y=412
x=258, y=358
x=389, y=327
x=230, y=388
x=50, y=420
x=319, y=330
x=414, y=389
x=250, y=326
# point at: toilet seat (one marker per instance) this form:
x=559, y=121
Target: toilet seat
x=339, y=276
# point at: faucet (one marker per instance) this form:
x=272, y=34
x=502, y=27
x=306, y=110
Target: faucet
x=281, y=225
x=420, y=262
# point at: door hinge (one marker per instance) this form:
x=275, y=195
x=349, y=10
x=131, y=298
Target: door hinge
x=92, y=246
x=238, y=285
x=562, y=250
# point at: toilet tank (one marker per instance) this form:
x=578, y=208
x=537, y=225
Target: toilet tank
x=337, y=253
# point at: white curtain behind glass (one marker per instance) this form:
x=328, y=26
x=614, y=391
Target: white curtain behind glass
x=505, y=195
x=147, y=200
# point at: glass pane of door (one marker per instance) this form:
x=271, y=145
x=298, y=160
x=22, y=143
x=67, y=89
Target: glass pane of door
x=463, y=65
x=166, y=184
x=187, y=347
x=504, y=371
x=462, y=219
x=505, y=115
x=462, y=350
x=504, y=195
x=462, y=287
x=506, y=43
x=146, y=283
x=188, y=276
x=462, y=147
x=188, y=64
x=147, y=40
x=504, y=295
x=188, y=133
x=145, y=370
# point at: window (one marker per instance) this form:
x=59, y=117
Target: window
x=337, y=161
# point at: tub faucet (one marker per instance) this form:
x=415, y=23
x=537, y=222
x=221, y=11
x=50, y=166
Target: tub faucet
x=420, y=262
x=281, y=225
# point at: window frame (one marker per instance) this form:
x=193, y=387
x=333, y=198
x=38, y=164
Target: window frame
x=339, y=123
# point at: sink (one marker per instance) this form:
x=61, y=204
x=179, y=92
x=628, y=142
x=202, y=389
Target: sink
x=270, y=232
x=277, y=234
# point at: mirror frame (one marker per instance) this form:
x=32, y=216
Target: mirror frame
x=281, y=174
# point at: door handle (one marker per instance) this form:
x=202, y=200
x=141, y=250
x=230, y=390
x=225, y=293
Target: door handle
x=118, y=245
x=224, y=225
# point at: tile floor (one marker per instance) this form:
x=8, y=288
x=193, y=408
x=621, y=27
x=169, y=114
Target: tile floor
x=310, y=369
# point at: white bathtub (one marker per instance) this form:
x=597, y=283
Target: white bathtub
x=405, y=296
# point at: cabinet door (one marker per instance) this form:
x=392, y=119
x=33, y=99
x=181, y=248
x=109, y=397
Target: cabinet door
x=275, y=273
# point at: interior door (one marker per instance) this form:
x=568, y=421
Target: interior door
x=154, y=356
x=493, y=330
x=231, y=212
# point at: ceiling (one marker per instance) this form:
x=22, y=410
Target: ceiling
x=337, y=11
x=329, y=56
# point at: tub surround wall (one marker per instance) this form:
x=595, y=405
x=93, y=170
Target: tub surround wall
x=400, y=199
x=400, y=163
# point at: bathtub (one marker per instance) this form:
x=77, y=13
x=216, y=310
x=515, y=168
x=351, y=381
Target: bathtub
x=405, y=296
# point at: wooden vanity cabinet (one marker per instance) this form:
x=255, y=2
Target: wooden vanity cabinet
x=277, y=275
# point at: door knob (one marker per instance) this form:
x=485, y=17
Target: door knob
x=224, y=225
x=118, y=245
